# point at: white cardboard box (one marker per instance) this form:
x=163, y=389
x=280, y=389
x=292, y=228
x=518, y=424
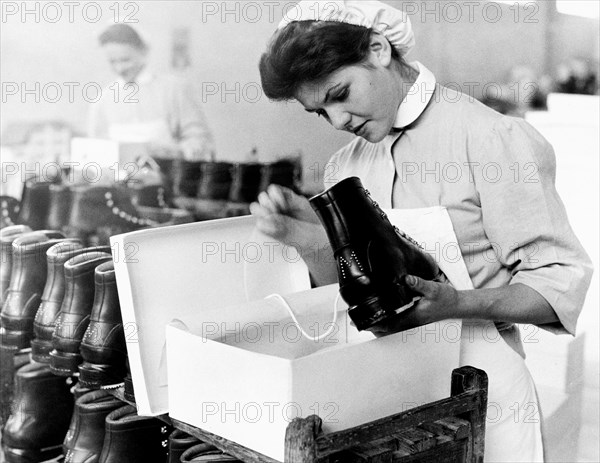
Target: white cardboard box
x=188, y=272
x=248, y=386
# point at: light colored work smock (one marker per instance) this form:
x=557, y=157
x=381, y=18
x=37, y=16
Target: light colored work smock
x=163, y=110
x=495, y=175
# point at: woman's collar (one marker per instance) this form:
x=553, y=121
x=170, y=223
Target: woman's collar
x=417, y=97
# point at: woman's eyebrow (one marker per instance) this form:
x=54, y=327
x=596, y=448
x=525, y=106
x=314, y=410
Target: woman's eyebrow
x=327, y=96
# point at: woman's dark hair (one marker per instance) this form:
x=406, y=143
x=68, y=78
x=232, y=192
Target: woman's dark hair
x=306, y=51
x=122, y=33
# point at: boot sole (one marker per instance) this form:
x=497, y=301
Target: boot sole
x=17, y=339
x=17, y=455
x=94, y=375
x=40, y=351
x=371, y=312
x=17, y=324
x=64, y=363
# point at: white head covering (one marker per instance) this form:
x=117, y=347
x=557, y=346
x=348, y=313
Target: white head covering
x=392, y=23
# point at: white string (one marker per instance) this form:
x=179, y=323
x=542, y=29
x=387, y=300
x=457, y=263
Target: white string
x=295, y=320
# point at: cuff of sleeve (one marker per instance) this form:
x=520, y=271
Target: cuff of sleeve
x=567, y=308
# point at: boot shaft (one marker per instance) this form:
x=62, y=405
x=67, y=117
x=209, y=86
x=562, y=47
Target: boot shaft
x=186, y=177
x=215, y=180
x=284, y=172
x=35, y=202
x=29, y=261
x=106, y=307
x=7, y=236
x=34, y=383
x=61, y=197
x=41, y=412
x=27, y=280
x=245, y=182
x=179, y=442
x=54, y=291
x=132, y=438
x=80, y=286
x=349, y=214
x=85, y=437
x=56, y=256
x=207, y=453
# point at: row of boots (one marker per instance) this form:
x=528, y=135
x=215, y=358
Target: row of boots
x=94, y=212
x=61, y=300
x=235, y=182
x=102, y=429
x=50, y=417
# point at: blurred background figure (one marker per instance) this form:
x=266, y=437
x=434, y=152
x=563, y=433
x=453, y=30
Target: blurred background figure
x=142, y=107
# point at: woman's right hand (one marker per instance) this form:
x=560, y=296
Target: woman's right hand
x=289, y=218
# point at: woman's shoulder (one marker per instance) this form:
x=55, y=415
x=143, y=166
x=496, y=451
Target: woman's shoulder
x=358, y=151
x=462, y=108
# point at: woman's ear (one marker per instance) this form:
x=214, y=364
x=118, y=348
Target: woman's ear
x=381, y=49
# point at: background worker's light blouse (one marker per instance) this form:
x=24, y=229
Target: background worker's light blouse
x=495, y=175
x=161, y=109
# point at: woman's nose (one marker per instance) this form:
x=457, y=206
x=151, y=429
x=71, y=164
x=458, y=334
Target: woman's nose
x=339, y=118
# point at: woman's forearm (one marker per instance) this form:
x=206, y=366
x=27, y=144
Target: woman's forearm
x=321, y=264
x=517, y=303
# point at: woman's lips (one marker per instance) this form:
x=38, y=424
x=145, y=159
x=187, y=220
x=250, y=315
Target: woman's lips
x=360, y=129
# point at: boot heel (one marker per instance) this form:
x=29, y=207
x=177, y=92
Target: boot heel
x=367, y=313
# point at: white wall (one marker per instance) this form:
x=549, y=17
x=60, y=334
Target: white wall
x=226, y=43
x=224, y=52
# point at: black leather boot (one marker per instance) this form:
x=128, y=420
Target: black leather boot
x=98, y=212
x=35, y=203
x=75, y=311
x=206, y=452
x=59, y=209
x=179, y=442
x=186, y=177
x=245, y=182
x=52, y=297
x=133, y=439
x=166, y=166
x=40, y=418
x=27, y=280
x=79, y=390
x=85, y=438
x=9, y=211
x=372, y=256
x=7, y=236
x=103, y=346
x=215, y=180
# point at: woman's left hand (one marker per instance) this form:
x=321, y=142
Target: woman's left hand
x=439, y=301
